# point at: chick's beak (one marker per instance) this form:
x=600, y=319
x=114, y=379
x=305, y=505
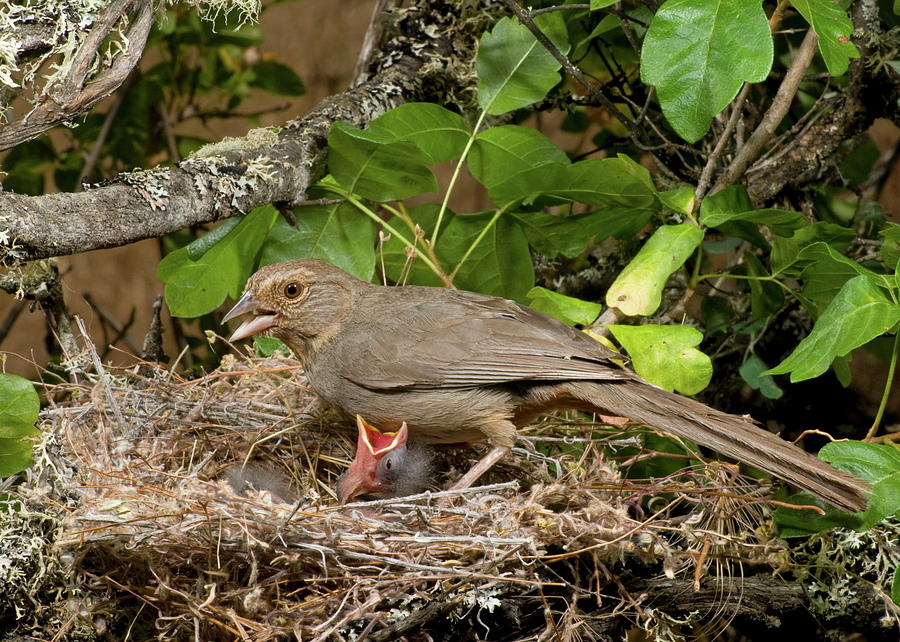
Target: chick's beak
x=371, y=445
x=254, y=325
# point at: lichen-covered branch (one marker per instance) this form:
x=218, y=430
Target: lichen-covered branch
x=230, y=177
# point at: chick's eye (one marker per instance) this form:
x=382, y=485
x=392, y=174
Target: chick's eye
x=292, y=290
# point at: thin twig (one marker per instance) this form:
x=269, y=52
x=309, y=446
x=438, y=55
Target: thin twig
x=525, y=17
x=773, y=116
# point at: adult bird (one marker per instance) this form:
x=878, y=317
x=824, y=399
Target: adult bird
x=459, y=366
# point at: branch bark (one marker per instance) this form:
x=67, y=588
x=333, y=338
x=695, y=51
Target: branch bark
x=227, y=178
x=74, y=96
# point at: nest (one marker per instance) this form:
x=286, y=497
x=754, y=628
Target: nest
x=151, y=539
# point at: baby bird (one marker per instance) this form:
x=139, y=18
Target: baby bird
x=385, y=465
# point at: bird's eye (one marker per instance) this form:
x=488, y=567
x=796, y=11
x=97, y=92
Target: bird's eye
x=292, y=290
x=388, y=463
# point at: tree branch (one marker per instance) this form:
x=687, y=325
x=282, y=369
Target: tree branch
x=226, y=178
x=773, y=116
x=73, y=96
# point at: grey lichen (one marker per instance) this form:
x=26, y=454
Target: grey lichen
x=151, y=184
x=64, y=26
x=259, y=138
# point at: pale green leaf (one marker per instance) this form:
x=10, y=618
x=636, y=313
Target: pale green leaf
x=666, y=355
x=438, y=133
x=194, y=288
x=501, y=262
x=15, y=455
x=678, y=199
x=638, y=289
x=19, y=406
x=567, y=309
x=501, y=152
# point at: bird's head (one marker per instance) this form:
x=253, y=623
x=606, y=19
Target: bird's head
x=384, y=465
x=294, y=300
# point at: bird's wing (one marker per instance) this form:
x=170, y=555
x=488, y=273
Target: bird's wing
x=461, y=339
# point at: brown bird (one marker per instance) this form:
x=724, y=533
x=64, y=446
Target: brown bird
x=385, y=465
x=460, y=366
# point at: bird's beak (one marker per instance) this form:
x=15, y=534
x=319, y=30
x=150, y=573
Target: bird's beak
x=254, y=325
x=371, y=445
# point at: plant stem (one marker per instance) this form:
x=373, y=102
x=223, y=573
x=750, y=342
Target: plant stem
x=378, y=220
x=477, y=240
x=887, y=388
x=455, y=176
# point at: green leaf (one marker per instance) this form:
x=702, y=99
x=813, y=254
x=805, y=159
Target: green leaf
x=895, y=585
x=824, y=272
x=879, y=464
x=19, y=406
x=833, y=27
x=648, y=466
x=198, y=247
x=277, y=78
x=514, y=69
x=890, y=248
x=501, y=152
x=766, y=297
x=600, y=4
x=678, y=199
x=369, y=165
x=752, y=372
x=500, y=264
x=15, y=456
x=439, y=133
x=733, y=204
x=267, y=346
x=841, y=368
x=665, y=355
x=796, y=522
x=553, y=235
x=616, y=184
x=638, y=289
x=567, y=309
x=859, y=313
x=335, y=233
x=197, y=287
x=786, y=250
x=698, y=53
x=872, y=462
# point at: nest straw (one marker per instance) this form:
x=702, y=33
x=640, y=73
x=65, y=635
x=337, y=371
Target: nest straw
x=134, y=467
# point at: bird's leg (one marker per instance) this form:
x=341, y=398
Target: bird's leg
x=494, y=455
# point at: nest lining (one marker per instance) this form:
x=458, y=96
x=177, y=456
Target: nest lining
x=132, y=469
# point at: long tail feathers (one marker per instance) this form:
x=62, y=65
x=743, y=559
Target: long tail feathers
x=730, y=435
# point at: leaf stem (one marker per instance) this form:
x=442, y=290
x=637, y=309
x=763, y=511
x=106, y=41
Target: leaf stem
x=887, y=387
x=477, y=240
x=378, y=220
x=455, y=176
